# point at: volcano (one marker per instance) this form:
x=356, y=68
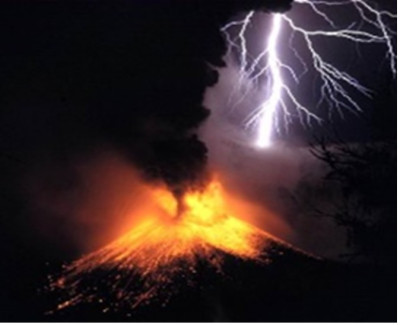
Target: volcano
x=197, y=260
x=168, y=248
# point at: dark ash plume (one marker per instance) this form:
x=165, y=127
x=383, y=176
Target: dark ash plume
x=127, y=73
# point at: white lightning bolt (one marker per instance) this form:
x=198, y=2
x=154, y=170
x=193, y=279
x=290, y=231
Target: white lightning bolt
x=335, y=83
x=270, y=105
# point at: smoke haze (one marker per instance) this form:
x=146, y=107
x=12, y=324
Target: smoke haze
x=271, y=177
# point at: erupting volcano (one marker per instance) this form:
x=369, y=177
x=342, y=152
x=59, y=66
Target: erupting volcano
x=165, y=247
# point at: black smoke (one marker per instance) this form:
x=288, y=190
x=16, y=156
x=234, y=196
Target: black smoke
x=76, y=75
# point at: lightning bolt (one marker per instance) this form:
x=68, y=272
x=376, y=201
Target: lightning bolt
x=270, y=105
x=336, y=85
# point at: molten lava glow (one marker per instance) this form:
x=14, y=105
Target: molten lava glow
x=164, y=246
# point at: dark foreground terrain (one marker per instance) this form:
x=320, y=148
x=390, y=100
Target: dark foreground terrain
x=292, y=287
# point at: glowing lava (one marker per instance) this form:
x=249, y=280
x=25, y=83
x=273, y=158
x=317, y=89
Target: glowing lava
x=146, y=262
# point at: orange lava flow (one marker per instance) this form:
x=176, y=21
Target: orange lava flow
x=144, y=263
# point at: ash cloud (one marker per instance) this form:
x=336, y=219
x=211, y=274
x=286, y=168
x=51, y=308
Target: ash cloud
x=127, y=73
x=79, y=78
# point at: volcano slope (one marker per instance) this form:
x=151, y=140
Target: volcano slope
x=291, y=287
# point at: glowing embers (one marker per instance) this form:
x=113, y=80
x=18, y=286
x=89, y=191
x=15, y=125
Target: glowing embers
x=163, y=250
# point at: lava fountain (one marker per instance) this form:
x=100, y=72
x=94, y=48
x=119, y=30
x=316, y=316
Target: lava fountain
x=166, y=245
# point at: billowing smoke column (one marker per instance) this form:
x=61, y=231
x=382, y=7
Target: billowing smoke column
x=372, y=26
x=195, y=44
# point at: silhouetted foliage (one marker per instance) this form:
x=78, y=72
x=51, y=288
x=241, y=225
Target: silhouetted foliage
x=365, y=175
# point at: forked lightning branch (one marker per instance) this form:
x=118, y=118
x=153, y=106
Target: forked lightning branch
x=371, y=26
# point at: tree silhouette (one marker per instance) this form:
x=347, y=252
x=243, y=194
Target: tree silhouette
x=365, y=174
x=366, y=206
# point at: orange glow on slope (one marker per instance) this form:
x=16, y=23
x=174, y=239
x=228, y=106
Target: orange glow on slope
x=168, y=242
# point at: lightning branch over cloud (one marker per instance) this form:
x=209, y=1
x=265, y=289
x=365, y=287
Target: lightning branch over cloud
x=336, y=86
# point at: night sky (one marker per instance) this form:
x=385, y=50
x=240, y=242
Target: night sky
x=80, y=77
